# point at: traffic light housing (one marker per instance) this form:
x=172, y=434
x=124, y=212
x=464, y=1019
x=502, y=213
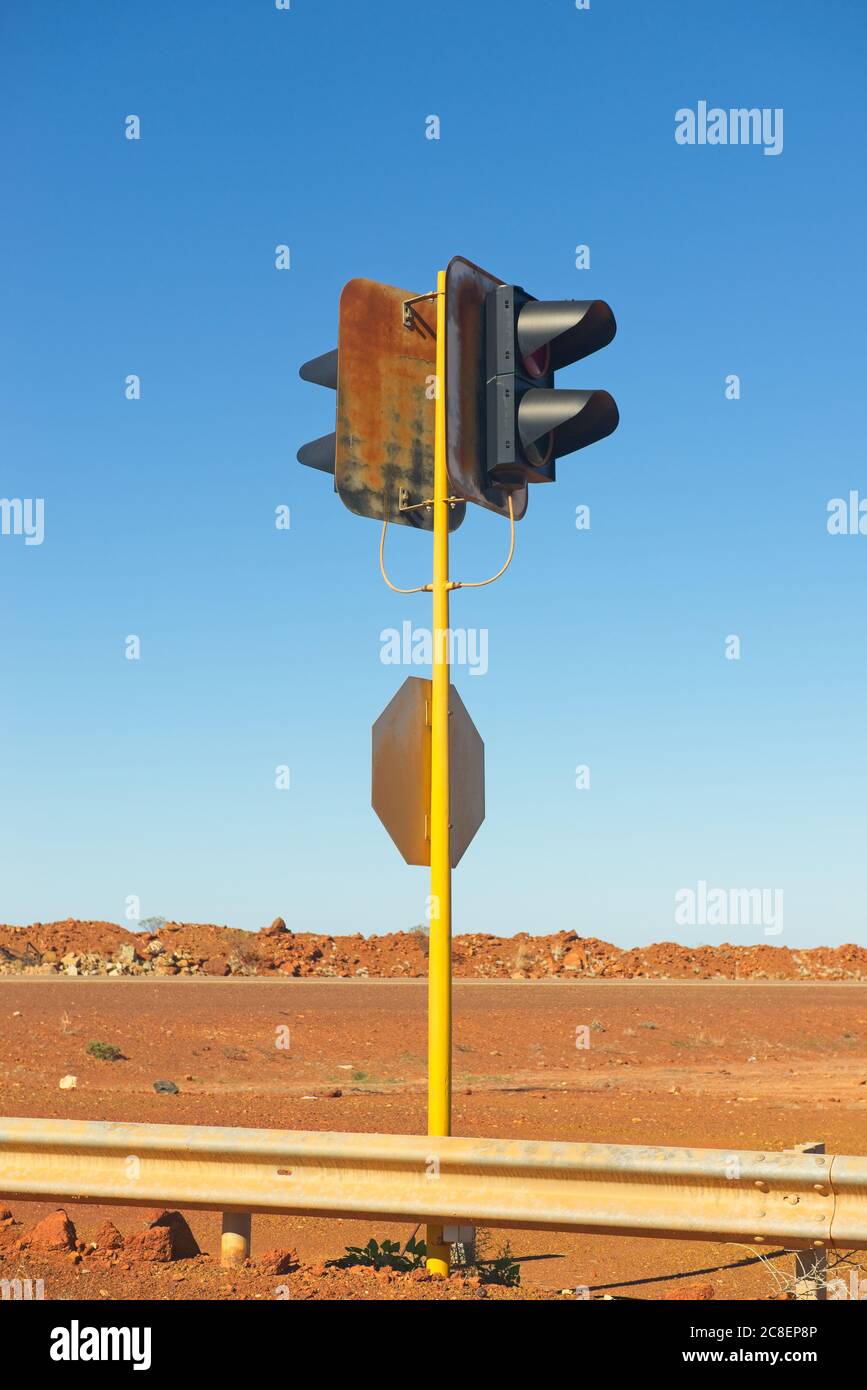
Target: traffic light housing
x=506, y=422
x=530, y=424
x=383, y=370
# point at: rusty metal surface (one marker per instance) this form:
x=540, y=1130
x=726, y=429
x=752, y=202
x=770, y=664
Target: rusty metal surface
x=467, y=766
x=401, y=771
x=762, y=1199
x=385, y=406
x=400, y=780
x=466, y=288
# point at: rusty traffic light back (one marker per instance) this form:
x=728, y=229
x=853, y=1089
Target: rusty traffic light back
x=384, y=372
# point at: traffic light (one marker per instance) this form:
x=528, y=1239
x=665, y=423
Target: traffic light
x=529, y=424
x=506, y=423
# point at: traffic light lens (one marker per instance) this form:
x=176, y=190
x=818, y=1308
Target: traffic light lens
x=537, y=364
x=539, y=452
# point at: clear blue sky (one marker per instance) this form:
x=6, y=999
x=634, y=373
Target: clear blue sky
x=262, y=647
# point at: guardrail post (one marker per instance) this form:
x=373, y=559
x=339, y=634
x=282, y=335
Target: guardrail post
x=235, y=1240
x=811, y=1266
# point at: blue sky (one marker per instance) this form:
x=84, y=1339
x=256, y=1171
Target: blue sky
x=260, y=647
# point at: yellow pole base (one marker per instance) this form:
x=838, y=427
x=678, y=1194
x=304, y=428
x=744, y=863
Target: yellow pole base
x=437, y=1253
x=235, y=1240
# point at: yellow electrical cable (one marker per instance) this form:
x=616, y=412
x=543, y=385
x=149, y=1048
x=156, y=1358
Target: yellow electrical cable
x=419, y=589
x=480, y=583
x=457, y=583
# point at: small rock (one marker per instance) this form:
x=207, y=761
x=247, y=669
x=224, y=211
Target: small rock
x=183, y=1243
x=152, y=1246
x=68, y=1083
x=108, y=1237
x=165, y=1088
x=334, y=1095
x=54, y=1232
x=278, y=1261
x=277, y=928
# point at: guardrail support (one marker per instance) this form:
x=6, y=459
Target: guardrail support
x=235, y=1240
x=811, y=1266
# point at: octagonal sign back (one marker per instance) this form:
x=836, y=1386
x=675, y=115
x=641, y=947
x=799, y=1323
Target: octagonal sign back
x=400, y=790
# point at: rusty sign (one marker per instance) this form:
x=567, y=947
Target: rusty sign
x=385, y=405
x=467, y=765
x=400, y=784
x=467, y=288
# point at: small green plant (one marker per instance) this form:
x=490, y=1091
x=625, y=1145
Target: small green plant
x=105, y=1052
x=387, y=1255
x=500, y=1267
x=504, y=1269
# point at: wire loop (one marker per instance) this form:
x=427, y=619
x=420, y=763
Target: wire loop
x=419, y=589
x=480, y=583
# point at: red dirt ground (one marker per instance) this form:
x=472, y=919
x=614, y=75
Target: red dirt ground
x=748, y=1065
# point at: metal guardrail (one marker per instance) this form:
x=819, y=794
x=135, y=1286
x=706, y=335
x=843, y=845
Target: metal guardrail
x=799, y=1201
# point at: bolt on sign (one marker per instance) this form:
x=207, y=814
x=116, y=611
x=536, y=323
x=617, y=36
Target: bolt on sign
x=401, y=778
x=386, y=385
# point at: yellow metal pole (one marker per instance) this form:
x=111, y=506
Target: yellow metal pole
x=439, y=1103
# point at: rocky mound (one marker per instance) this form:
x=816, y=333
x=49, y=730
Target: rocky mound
x=187, y=948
